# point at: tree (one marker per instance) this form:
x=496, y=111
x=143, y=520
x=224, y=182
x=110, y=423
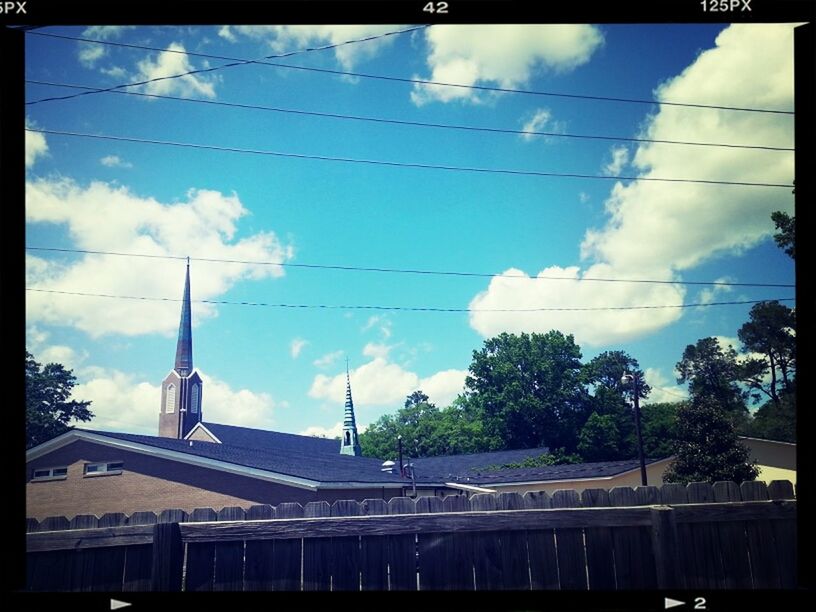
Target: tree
x=528, y=389
x=659, y=425
x=770, y=332
x=786, y=235
x=707, y=447
x=426, y=430
x=713, y=372
x=48, y=409
x=613, y=400
x=775, y=421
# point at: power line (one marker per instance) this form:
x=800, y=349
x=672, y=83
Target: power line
x=401, y=308
x=378, y=162
x=410, y=271
x=242, y=61
x=412, y=123
x=234, y=62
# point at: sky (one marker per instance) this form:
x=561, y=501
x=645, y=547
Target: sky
x=535, y=240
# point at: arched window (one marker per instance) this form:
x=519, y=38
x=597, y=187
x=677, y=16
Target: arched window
x=195, y=398
x=170, y=400
x=348, y=438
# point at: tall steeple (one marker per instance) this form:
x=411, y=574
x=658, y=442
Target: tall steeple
x=184, y=348
x=349, y=444
x=181, y=389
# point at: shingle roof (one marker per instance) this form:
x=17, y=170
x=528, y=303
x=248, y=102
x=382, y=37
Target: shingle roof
x=321, y=467
x=449, y=466
x=576, y=471
x=247, y=437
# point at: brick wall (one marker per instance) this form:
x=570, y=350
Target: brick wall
x=154, y=484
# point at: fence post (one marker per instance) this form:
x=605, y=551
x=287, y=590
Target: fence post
x=168, y=557
x=664, y=545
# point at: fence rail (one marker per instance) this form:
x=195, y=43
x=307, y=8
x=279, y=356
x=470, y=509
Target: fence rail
x=699, y=536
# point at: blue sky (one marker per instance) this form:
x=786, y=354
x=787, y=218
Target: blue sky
x=283, y=368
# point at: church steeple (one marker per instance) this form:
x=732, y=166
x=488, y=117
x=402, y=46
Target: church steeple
x=349, y=444
x=181, y=389
x=184, y=348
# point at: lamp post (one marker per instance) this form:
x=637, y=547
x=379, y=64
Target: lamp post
x=633, y=378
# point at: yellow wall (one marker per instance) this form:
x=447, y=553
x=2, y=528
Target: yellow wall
x=775, y=460
x=654, y=476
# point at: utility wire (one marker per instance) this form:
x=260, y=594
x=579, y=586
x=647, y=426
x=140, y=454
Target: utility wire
x=234, y=61
x=402, y=308
x=409, y=271
x=411, y=123
x=240, y=61
x=378, y=162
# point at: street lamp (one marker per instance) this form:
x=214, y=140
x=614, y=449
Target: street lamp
x=633, y=378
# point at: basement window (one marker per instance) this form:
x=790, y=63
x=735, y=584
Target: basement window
x=109, y=468
x=53, y=473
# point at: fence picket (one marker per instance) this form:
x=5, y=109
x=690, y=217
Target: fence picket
x=199, y=572
x=287, y=554
x=373, y=551
x=600, y=560
x=432, y=550
x=346, y=558
x=541, y=547
x=785, y=536
x=317, y=552
x=708, y=560
x=139, y=559
x=486, y=548
x=570, y=545
x=733, y=541
x=259, y=553
x=402, y=564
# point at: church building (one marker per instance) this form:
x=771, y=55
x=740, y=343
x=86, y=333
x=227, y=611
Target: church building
x=193, y=463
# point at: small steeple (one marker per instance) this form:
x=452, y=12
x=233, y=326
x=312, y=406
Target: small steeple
x=349, y=445
x=184, y=348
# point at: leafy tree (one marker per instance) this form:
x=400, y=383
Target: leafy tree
x=613, y=399
x=713, y=372
x=529, y=390
x=600, y=439
x=659, y=424
x=557, y=457
x=786, y=235
x=774, y=421
x=770, y=332
x=707, y=446
x=48, y=409
x=425, y=429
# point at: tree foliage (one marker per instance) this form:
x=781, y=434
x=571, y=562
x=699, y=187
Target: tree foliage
x=712, y=371
x=48, y=409
x=707, y=447
x=528, y=389
x=785, y=236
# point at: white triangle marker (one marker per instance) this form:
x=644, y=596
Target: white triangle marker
x=672, y=603
x=116, y=604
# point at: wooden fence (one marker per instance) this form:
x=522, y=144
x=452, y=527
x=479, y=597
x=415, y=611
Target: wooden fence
x=696, y=536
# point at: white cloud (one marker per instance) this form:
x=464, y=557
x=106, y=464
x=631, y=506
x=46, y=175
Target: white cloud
x=114, y=161
x=710, y=294
x=286, y=38
x=620, y=157
x=172, y=62
x=204, y=225
x=120, y=402
x=658, y=230
x=36, y=344
x=375, y=349
x=583, y=197
x=115, y=72
x=35, y=145
x=335, y=431
x=539, y=121
x=590, y=327
x=90, y=53
x=503, y=55
x=326, y=360
x=662, y=388
x=381, y=383
x=382, y=323
x=296, y=346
